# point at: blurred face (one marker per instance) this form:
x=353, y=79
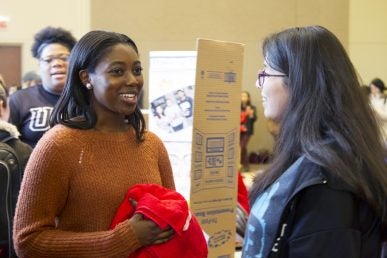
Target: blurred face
x=374, y=90
x=181, y=95
x=117, y=82
x=244, y=97
x=274, y=94
x=53, y=67
x=159, y=109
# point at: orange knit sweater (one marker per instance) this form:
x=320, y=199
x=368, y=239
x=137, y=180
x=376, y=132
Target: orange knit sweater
x=74, y=182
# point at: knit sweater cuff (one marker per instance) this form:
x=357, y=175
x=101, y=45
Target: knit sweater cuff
x=127, y=236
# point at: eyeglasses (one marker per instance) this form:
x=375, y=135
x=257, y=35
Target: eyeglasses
x=50, y=59
x=261, y=77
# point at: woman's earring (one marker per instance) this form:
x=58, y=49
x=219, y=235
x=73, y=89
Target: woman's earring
x=89, y=86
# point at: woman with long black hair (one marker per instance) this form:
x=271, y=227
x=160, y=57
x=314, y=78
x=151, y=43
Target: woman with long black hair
x=324, y=194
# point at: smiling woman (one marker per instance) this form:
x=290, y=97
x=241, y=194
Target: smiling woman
x=117, y=82
x=97, y=149
x=274, y=93
x=324, y=193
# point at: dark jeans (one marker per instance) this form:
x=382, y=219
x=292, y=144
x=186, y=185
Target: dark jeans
x=244, y=140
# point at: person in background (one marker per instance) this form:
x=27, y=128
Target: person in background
x=81, y=169
x=248, y=118
x=8, y=132
x=2, y=81
x=30, y=79
x=378, y=100
x=185, y=103
x=10, y=136
x=30, y=108
x=366, y=90
x=162, y=120
x=325, y=192
x=5, y=109
x=174, y=115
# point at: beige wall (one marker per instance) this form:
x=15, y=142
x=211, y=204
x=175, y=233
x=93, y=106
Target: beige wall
x=368, y=38
x=27, y=17
x=176, y=24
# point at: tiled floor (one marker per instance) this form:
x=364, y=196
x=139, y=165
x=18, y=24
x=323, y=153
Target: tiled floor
x=249, y=176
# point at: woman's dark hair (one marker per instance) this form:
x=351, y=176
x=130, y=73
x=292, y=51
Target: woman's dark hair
x=75, y=99
x=325, y=103
x=50, y=35
x=379, y=84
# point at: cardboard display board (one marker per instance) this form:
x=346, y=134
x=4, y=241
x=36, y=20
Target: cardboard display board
x=215, y=142
x=201, y=131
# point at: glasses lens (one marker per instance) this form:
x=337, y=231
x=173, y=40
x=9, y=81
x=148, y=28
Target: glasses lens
x=63, y=58
x=50, y=59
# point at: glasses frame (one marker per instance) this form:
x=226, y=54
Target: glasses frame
x=261, y=77
x=64, y=58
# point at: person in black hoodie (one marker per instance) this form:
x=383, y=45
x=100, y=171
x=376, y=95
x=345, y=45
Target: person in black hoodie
x=324, y=193
x=10, y=136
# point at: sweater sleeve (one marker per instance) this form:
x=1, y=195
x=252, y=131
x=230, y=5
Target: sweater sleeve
x=381, y=111
x=43, y=194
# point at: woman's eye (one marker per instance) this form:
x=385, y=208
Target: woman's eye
x=117, y=71
x=137, y=70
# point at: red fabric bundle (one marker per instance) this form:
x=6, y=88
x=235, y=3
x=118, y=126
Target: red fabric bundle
x=164, y=207
x=243, y=197
x=243, y=124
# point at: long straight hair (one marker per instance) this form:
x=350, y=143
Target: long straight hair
x=325, y=103
x=75, y=100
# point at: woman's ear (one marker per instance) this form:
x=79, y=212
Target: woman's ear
x=84, y=76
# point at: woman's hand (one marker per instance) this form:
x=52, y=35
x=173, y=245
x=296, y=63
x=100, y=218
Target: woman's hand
x=250, y=111
x=148, y=232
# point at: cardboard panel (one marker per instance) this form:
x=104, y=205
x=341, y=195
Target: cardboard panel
x=215, y=142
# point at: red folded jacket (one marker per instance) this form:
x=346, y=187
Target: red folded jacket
x=164, y=207
x=243, y=197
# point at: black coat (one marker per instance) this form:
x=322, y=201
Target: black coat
x=10, y=135
x=322, y=218
x=329, y=221
x=10, y=183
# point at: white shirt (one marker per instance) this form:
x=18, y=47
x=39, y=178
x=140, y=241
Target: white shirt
x=379, y=104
